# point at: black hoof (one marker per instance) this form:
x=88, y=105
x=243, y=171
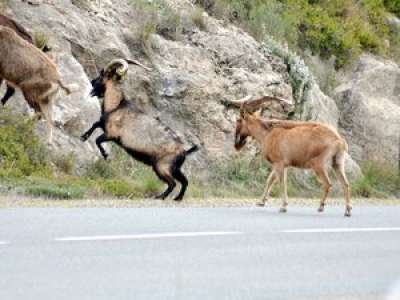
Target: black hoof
x=84, y=138
x=347, y=213
x=178, y=199
x=283, y=210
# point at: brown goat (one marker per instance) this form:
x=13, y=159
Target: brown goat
x=305, y=145
x=10, y=23
x=24, y=66
x=143, y=137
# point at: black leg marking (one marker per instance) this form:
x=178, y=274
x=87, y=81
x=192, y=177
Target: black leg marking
x=88, y=133
x=184, y=182
x=9, y=93
x=168, y=180
x=100, y=140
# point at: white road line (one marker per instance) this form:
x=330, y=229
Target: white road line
x=343, y=230
x=146, y=236
x=4, y=243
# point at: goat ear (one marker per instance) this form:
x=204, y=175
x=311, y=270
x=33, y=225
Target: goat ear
x=242, y=110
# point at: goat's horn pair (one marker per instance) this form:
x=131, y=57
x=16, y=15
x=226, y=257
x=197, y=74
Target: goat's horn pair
x=124, y=66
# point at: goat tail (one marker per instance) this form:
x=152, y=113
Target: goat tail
x=339, y=157
x=192, y=150
x=70, y=88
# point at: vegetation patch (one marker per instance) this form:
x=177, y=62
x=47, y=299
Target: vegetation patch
x=197, y=17
x=21, y=153
x=393, y=6
x=329, y=28
x=380, y=181
x=156, y=17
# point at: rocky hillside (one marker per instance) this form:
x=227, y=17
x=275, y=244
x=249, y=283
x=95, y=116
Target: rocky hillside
x=199, y=62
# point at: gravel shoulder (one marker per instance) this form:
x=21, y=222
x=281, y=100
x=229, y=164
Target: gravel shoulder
x=21, y=201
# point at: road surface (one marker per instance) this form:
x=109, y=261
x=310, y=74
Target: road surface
x=199, y=253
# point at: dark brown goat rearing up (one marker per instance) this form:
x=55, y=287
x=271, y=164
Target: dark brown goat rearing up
x=305, y=145
x=143, y=137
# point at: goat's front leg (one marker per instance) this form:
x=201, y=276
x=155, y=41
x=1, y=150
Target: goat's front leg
x=9, y=93
x=268, y=187
x=100, y=140
x=87, y=134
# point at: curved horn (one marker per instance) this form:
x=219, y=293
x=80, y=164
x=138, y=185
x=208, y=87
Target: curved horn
x=253, y=105
x=239, y=103
x=135, y=62
x=124, y=65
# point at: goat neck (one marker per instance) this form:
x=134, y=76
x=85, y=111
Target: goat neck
x=113, y=96
x=258, y=129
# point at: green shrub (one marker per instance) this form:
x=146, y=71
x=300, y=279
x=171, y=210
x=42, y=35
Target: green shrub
x=258, y=17
x=124, y=177
x=156, y=16
x=338, y=28
x=198, y=19
x=100, y=169
x=55, y=192
x=380, y=180
x=117, y=188
x=393, y=6
x=234, y=177
x=150, y=183
x=21, y=153
x=65, y=163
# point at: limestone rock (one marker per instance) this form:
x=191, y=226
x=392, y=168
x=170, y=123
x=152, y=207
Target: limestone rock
x=369, y=104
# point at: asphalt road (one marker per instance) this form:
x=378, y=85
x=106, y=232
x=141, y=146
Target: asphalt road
x=186, y=253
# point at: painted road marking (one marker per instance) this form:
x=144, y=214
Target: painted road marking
x=146, y=236
x=343, y=230
x=4, y=243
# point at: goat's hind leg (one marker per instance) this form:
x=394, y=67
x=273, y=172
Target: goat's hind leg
x=165, y=176
x=99, y=141
x=338, y=166
x=184, y=182
x=321, y=172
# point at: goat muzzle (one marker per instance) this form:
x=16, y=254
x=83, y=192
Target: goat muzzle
x=240, y=141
